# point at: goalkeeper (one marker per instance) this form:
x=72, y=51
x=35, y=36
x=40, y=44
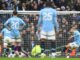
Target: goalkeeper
x=36, y=50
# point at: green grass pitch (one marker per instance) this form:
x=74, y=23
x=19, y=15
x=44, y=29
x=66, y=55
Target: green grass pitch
x=39, y=58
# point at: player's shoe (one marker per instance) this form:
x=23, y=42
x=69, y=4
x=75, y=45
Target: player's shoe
x=67, y=56
x=22, y=55
x=52, y=55
x=11, y=55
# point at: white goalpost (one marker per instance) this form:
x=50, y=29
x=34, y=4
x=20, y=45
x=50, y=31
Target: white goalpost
x=37, y=12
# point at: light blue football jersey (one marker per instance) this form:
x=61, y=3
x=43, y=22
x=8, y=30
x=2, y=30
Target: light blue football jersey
x=6, y=33
x=48, y=20
x=14, y=22
x=77, y=37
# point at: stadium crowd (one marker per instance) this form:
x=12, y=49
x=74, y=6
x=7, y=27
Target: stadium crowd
x=29, y=32
x=39, y=4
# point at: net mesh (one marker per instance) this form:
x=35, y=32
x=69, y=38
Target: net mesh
x=65, y=18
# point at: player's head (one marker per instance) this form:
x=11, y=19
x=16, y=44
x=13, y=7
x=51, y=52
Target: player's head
x=73, y=28
x=15, y=13
x=48, y=4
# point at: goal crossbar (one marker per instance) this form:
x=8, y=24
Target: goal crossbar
x=37, y=12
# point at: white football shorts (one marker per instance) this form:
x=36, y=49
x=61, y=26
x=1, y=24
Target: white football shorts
x=48, y=35
x=74, y=45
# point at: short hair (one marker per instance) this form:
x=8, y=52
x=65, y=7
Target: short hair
x=48, y=4
x=74, y=26
x=15, y=13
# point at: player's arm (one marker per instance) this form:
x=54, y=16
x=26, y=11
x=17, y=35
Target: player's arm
x=22, y=24
x=1, y=34
x=7, y=23
x=39, y=21
x=70, y=37
x=71, y=34
x=56, y=22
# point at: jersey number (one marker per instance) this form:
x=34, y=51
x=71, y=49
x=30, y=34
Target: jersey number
x=47, y=16
x=15, y=25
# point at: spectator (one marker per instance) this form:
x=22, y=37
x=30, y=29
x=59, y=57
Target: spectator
x=38, y=5
x=77, y=5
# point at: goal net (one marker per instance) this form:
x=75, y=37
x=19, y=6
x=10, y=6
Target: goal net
x=65, y=18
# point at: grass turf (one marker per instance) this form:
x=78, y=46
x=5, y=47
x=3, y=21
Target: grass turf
x=39, y=58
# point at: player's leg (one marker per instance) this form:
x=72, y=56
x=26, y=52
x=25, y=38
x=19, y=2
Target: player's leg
x=1, y=44
x=42, y=40
x=73, y=46
x=53, y=45
x=1, y=50
x=42, y=44
x=52, y=38
x=70, y=49
x=65, y=47
x=18, y=46
x=11, y=47
x=13, y=44
x=66, y=50
x=6, y=42
x=14, y=48
x=5, y=50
